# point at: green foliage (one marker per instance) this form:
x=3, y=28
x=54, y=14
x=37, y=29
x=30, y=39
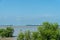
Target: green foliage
x=47, y=31
x=34, y=35
x=21, y=36
x=2, y=32
x=8, y=32
x=27, y=35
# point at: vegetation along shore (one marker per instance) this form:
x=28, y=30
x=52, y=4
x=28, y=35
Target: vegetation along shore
x=48, y=31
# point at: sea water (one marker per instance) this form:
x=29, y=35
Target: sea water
x=17, y=29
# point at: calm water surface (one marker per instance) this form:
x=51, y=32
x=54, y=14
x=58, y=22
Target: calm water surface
x=17, y=29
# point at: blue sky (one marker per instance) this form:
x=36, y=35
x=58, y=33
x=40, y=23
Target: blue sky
x=23, y=12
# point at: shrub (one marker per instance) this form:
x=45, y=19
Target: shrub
x=21, y=36
x=8, y=32
x=47, y=31
x=27, y=35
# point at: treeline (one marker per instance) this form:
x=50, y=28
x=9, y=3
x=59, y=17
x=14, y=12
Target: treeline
x=48, y=31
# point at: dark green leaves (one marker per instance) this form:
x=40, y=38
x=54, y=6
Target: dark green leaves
x=8, y=32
